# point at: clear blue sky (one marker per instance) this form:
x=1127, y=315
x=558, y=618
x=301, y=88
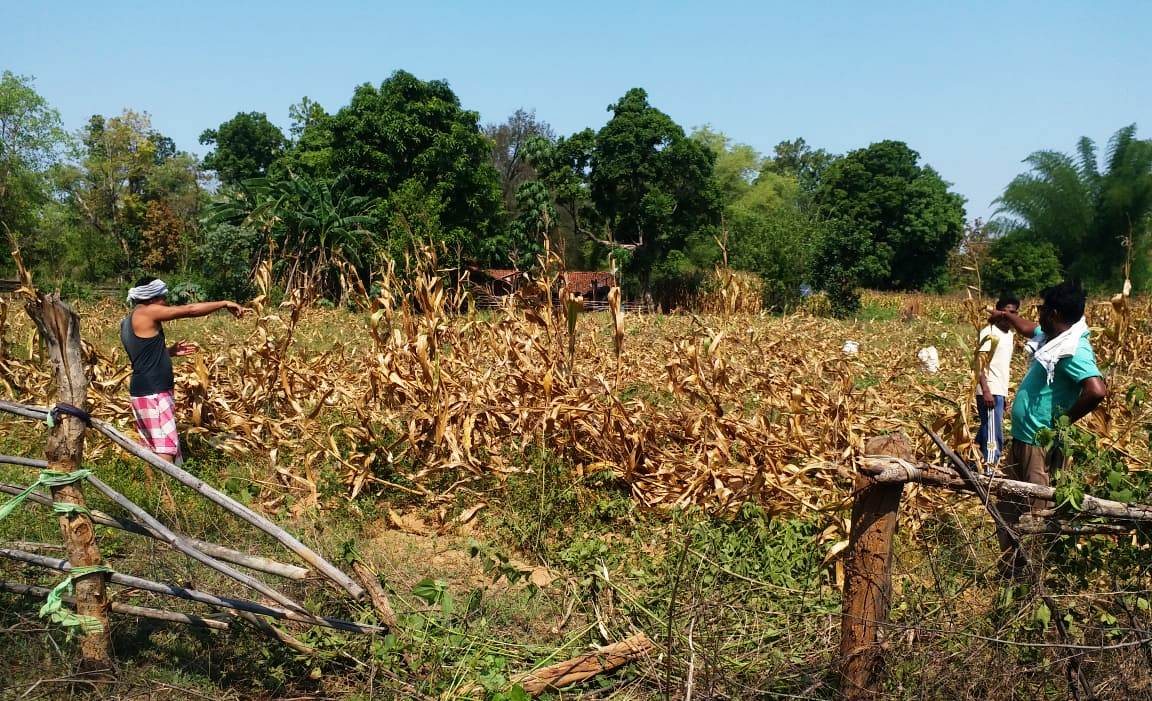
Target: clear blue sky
x=973, y=86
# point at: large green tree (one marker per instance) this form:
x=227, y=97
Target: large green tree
x=744, y=178
x=245, y=147
x=653, y=188
x=512, y=142
x=1020, y=263
x=530, y=215
x=562, y=168
x=135, y=193
x=798, y=160
x=895, y=220
x=1084, y=212
x=317, y=226
x=31, y=141
x=410, y=144
x=765, y=229
x=309, y=150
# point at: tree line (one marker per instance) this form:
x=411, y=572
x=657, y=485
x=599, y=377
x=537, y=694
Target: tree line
x=404, y=164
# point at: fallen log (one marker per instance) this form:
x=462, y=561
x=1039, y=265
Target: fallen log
x=375, y=592
x=126, y=609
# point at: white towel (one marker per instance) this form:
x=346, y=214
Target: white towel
x=154, y=289
x=1049, y=351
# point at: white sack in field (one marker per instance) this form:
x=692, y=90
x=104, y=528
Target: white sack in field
x=929, y=359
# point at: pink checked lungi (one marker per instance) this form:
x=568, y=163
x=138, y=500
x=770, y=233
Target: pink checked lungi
x=156, y=421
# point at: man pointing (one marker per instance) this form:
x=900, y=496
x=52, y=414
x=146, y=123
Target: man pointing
x=152, y=384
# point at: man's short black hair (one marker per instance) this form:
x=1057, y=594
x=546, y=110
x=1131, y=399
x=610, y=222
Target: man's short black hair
x=1068, y=298
x=146, y=280
x=1007, y=298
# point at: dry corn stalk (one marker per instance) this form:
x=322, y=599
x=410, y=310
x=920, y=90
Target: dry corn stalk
x=418, y=391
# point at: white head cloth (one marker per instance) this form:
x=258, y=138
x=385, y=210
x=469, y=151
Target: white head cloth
x=154, y=289
x=1049, y=351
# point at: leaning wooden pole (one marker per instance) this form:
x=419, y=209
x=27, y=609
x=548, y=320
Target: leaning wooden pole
x=209, y=492
x=126, y=609
x=227, y=602
x=60, y=330
x=231, y=505
x=255, y=562
x=868, y=573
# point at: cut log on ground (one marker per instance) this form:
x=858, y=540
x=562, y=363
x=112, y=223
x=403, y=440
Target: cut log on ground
x=584, y=667
x=375, y=592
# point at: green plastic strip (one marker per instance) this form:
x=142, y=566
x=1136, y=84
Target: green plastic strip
x=53, y=608
x=48, y=478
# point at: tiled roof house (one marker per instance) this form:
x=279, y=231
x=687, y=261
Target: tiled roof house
x=587, y=284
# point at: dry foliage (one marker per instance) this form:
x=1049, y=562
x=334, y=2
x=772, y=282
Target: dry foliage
x=411, y=394
x=728, y=291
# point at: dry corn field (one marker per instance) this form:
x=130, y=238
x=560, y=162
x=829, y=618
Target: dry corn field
x=409, y=397
x=413, y=393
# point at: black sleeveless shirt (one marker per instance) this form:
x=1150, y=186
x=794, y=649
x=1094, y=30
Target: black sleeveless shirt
x=151, y=364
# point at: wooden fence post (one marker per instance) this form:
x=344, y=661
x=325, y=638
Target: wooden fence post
x=60, y=329
x=867, y=574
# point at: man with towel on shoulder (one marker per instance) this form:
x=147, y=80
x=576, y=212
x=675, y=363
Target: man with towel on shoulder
x=152, y=384
x=1062, y=380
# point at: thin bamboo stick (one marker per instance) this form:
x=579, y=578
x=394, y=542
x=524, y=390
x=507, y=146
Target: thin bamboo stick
x=253, y=562
x=126, y=609
x=209, y=492
x=31, y=412
x=273, y=632
x=225, y=602
x=178, y=542
x=26, y=462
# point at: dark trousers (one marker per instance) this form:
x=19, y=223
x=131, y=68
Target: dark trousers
x=1025, y=463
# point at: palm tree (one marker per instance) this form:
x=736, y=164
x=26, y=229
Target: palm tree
x=1089, y=216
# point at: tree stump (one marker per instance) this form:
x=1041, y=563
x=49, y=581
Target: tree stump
x=867, y=574
x=60, y=330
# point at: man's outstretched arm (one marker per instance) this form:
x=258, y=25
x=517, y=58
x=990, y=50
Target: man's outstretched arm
x=161, y=313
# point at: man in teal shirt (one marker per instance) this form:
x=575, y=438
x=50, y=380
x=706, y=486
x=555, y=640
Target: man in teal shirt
x=1062, y=380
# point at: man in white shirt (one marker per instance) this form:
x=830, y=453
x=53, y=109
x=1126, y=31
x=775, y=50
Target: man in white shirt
x=994, y=366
